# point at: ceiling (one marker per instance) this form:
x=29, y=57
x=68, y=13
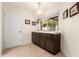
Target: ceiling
x=49, y=8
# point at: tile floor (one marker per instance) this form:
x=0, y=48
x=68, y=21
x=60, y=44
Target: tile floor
x=29, y=50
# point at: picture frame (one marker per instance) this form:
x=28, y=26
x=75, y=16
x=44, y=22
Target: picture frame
x=27, y=21
x=38, y=21
x=34, y=23
x=65, y=14
x=74, y=9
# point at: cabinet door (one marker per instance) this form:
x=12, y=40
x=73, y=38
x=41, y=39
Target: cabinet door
x=43, y=40
x=49, y=42
x=57, y=42
x=33, y=37
x=36, y=38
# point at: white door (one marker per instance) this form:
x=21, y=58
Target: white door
x=12, y=29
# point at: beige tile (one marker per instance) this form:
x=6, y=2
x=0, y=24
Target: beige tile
x=29, y=50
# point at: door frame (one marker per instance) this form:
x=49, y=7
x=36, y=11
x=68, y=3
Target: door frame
x=1, y=28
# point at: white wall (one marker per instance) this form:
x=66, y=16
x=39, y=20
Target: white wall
x=1, y=29
x=70, y=32
x=17, y=18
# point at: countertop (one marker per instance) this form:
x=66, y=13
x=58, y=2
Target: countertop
x=49, y=32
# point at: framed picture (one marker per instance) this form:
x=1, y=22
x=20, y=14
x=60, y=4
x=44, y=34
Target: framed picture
x=33, y=23
x=27, y=21
x=74, y=9
x=65, y=14
x=38, y=20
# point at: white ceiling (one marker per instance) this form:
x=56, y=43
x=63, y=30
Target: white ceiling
x=48, y=8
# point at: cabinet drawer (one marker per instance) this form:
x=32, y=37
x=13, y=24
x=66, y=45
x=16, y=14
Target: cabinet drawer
x=50, y=36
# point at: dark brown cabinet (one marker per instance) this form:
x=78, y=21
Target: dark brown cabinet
x=49, y=42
